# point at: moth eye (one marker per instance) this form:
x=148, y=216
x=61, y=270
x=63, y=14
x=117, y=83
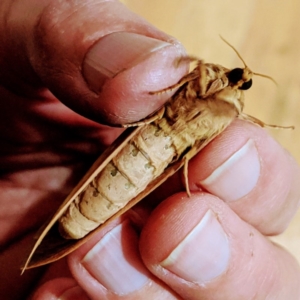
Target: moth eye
x=235, y=75
x=246, y=85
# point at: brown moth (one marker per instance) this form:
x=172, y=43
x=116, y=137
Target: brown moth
x=208, y=99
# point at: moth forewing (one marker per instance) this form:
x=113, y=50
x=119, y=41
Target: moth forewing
x=97, y=166
x=51, y=247
x=142, y=158
x=54, y=247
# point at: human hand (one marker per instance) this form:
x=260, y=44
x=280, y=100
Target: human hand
x=47, y=148
x=224, y=251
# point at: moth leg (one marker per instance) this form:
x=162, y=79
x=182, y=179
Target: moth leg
x=189, y=59
x=186, y=177
x=157, y=116
x=254, y=120
x=202, y=78
x=181, y=82
x=187, y=157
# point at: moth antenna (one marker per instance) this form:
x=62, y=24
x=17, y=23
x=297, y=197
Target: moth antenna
x=266, y=76
x=257, y=74
x=238, y=54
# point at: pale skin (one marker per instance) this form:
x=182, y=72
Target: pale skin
x=47, y=148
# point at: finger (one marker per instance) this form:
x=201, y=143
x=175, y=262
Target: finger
x=97, y=57
x=109, y=267
x=203, y=250
x=252, y=173
x=60, y=288
x=18, y=285
x=13, y=285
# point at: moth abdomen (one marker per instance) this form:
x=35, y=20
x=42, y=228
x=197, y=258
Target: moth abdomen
x=128, y=173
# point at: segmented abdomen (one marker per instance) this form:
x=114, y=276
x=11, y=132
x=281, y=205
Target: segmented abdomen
x=125, y=176
x=187, y=119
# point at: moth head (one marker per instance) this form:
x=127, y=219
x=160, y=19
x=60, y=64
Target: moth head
x=241, y=78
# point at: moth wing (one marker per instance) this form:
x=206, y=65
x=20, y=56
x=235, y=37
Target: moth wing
x=52, y=246
x=97, y=166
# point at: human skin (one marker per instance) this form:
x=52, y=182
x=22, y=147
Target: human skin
x=49, y=57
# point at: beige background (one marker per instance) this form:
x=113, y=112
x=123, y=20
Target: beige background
x=267, y=34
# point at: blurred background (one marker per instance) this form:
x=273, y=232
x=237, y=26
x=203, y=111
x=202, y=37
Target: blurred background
x=266, y=33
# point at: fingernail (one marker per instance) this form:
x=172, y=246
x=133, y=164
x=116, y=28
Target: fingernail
x=74, y=293
x=116, y=52
x=237, y=176
x=203, y=254
x=114, y=261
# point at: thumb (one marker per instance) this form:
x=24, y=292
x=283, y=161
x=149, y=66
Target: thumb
x=97, y=57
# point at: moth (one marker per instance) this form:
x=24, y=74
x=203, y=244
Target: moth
x=207, y=100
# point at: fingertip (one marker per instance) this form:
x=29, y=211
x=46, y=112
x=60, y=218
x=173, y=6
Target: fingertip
x=126, y=94
x=109, y=266
x=184, y=244
x=201, y=248
x=249, y=170
x=60, y=288
x=170, y=222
